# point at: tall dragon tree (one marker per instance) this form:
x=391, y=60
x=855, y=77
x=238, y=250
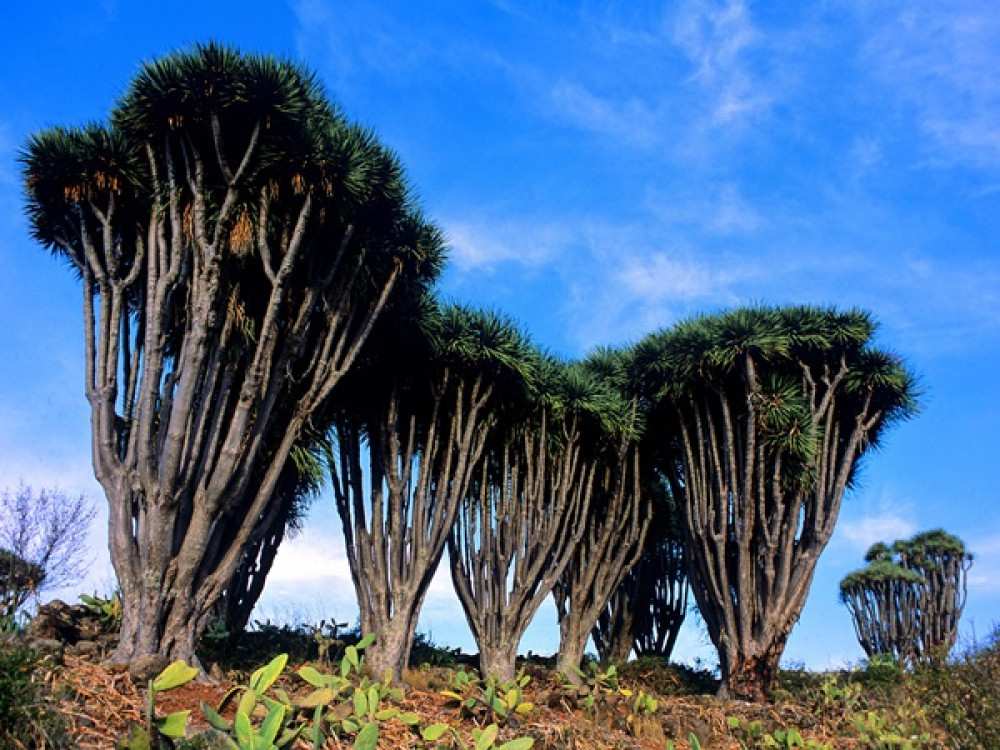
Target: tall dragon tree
x=413, y=426
x=235, y=238
x=617, y=521
x=524, y=513
x=763, y=414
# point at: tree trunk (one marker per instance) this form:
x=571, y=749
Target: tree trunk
x=498, y=660
x=393, y=643
x=572, y=643
x=748, y=678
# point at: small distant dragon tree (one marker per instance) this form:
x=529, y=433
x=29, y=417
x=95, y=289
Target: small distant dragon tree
x=907, y=601
x=763, y=415
x=235, y=238
x=413, y=426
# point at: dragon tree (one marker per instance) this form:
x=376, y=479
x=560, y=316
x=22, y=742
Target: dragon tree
x=412, y=428
x=235, y=238
x=906, y=603
x=523, y=516
x=763, y=415
x=616, y=524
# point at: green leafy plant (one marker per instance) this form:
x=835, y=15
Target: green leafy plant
x=751, y=734
x=107, y=610
x=490, y=700
x=482, y=739
x=277, y=707
x=596, y=685
x=161, y=731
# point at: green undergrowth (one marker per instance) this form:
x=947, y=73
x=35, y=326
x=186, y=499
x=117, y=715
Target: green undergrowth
x=28, y=714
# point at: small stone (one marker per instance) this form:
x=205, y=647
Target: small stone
x=145, y=668
x=85, y=648
x=210, y=739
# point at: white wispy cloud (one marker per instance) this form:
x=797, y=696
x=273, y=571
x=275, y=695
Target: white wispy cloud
x=716, y=36
x=940, y=60
x=484, y=243
x=631, y=120
x=864, y=532
x=984, y=576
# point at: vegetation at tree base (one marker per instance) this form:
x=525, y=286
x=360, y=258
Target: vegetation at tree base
x=236, y=239
x=762, y=415
x=43, y=537
x=906, y=603
x=646, y=704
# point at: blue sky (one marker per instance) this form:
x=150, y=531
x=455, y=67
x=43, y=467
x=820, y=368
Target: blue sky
x=602, y=170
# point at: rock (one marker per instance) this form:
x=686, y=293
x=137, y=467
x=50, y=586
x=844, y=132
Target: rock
x=145, y=668
x=47, y=647
x=85, y=648
x=55, y=620
x=210, y=739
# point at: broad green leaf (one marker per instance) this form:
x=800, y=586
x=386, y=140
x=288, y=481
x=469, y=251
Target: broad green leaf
x=350, y=726
x=264, y=677
x=313, y=676
x=317, y=729
x=271, y=724
x=373, y=698
x=351, y=654
x=411, y=720
x=434, y=732
x=521, y=743
x=243, y=731
x=367, y=738
x=386, y=713
x=288, y=737
x=247, y=703
x=525, y=708
x=316, y=698
x=360, y=703
x=366, y=641
x=487, y=737
x=214, y=718
x=452, y=695
x=173, y=724
x=174, y=675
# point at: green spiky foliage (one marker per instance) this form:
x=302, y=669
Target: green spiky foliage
x=761, y=416
x=412, y=423
x=906, y=603
x=525, y=511
x=236, y=239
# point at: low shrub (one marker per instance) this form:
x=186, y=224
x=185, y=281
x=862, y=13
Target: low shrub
x=28, y=715
x=963, y=696
x=665, y=678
